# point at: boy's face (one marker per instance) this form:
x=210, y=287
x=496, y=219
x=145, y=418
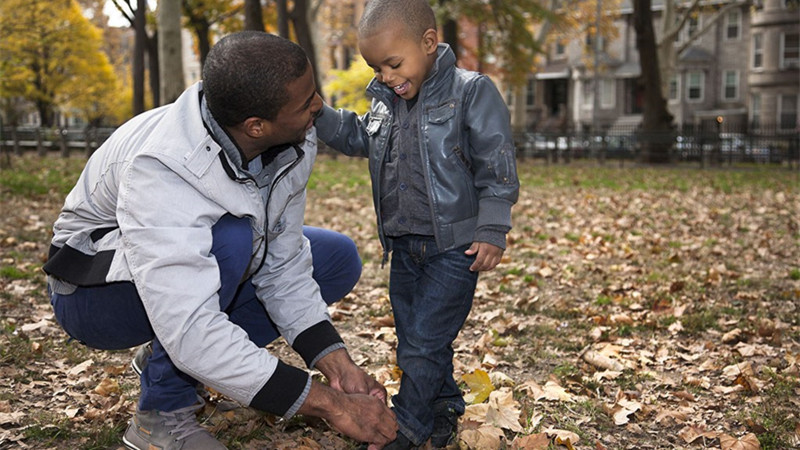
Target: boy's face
x=400, y=61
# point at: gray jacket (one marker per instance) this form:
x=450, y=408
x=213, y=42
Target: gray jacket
x=465, y=144
x=142, y=211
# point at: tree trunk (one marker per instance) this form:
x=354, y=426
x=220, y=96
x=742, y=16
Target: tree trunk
x=656, y=125
x=170, y=50
x=152, y=64
x=283, y=19
x=450, y=30
x=253, y=16
x=299, y=17
x=139, y=48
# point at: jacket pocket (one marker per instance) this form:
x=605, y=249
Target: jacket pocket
x=442, y=113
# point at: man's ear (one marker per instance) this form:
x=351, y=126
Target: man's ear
x=430, y=40
x=256, y=127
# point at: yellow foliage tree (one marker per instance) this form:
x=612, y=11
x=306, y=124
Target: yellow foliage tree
x=347, y=87
x=51, y=55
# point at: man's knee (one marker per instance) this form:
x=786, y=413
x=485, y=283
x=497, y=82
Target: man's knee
x=232, y=244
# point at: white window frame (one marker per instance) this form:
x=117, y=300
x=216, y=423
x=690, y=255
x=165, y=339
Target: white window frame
x=530, y=92
x=758, y=51
x=781, y=99
x=725, y=85
x=791, y=63
x=755, y=110
x=588, y=93
x=737, y=23
x=676, y=79
x=701, y=86
x=608, y=93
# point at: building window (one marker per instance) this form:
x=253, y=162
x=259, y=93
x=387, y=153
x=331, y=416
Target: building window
x=733, y=24
x=791, y=4
x=530, y=92
x=559, y=49
x=510, y=97
x=730, y=86
x=674, y=88
x=607, y=92
x=694, y=86
x=788, y=112
x=755, y=110
x=790, y=50
x=588, y=93
x=758, y=51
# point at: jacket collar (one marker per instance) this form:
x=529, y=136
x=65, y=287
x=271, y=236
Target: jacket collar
x=445, y=63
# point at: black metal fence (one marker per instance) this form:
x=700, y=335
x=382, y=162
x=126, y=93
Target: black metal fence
x=706, y=148
x=18, y=140
x=695, y=146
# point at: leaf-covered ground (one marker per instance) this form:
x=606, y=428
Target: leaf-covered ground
x=635, y=308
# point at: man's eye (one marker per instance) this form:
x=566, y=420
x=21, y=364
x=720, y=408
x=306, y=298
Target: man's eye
x=395, y=66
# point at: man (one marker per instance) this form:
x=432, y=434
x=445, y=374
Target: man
x=185, y=228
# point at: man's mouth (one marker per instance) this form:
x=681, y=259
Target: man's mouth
x=401, y=89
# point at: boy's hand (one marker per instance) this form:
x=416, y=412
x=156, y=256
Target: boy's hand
x=487, y=256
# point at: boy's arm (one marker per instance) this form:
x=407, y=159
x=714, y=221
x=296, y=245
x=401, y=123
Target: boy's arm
x=343, y=131
x=493, y=160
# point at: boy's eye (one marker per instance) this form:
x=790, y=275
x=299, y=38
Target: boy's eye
x=394, y=66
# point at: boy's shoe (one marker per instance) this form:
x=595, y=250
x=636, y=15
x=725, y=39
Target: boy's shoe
x=175, y=430
x=141, y=357
x=401, y=442
x=444, y=429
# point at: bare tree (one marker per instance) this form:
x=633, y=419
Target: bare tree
x=170, y=50
x=253, y=15
x=656, y=119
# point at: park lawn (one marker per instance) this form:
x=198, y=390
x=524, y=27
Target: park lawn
x=635, y=307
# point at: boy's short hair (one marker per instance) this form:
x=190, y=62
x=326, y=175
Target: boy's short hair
x=246, y=73
x=416, y=15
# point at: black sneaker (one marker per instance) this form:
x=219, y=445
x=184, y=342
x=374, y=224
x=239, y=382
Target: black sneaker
x=141, y=357
x=445, y=427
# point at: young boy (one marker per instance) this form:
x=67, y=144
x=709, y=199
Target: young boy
x=443, y=179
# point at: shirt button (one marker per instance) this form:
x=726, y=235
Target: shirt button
x=405, y=125
x=401, y=220
x=403, y=156
x=403, y=186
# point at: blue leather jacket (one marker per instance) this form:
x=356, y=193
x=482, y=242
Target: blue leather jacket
x=466, y=146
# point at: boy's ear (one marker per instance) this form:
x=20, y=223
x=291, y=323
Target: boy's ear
x=430, y=40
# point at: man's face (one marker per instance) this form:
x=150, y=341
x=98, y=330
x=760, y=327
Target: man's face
x=399, y=60
x=297, y=115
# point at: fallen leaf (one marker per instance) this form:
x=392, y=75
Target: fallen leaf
x=485, y=437
x=746, y=442
x=480, y=386
x=538, y=441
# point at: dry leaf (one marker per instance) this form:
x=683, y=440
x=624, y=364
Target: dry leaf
x=107, y=387
x=538, y=441
x=485, y=437
x=504, y=411
x=746, y=442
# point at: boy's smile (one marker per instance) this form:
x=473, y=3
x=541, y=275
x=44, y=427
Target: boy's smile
x=400, y=61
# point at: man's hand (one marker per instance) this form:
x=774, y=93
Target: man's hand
x=345, y=376
x=487, y=256
x=365, y=418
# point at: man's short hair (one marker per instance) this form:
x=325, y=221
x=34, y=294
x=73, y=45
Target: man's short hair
x=245, y=75
x=416, y=15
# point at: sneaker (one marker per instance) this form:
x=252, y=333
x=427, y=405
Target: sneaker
x=445, y=427
x=141, y=357
x=401, y=442
x=175, y=430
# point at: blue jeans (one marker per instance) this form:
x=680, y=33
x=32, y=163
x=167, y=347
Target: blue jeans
x=431, y=294
x=112, y=316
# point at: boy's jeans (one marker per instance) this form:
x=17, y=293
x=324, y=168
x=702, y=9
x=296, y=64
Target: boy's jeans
x=112, y=316
x=431, y=294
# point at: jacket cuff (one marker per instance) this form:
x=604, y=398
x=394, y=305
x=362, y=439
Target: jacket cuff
x=312, y=342
x=282, y=392
x=494, y=211
x=327, y=123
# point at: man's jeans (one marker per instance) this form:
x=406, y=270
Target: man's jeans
x=112, y=316
x=431, y=294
